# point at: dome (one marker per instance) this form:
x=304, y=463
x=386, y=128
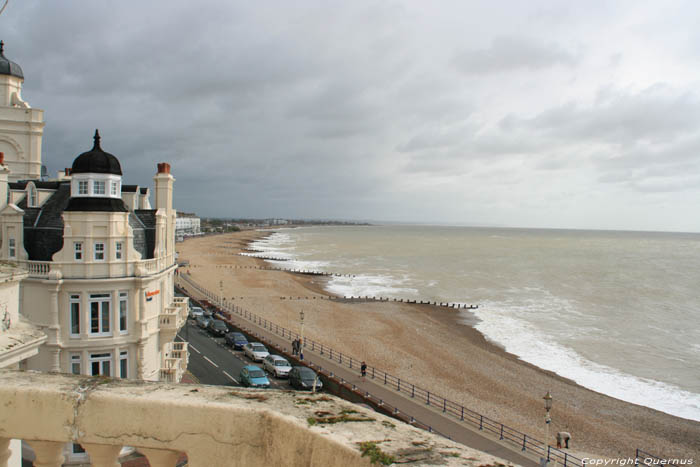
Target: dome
x=8, y=67
x=96, y=161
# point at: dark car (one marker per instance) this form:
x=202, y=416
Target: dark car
x=301, y=377
x=236, y=340
x=217, y=327
x=203, y=322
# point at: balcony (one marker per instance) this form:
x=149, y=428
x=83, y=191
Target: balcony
x=72, y=270
x=175, y=362
x=211, y=425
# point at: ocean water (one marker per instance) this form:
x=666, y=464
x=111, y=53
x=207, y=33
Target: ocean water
x=617, y=312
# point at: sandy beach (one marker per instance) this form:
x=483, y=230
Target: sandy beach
x=435, y=348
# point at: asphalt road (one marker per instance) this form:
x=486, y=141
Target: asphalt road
x=213, y=362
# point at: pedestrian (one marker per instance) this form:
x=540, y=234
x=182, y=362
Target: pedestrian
x=564, y=437
x=295, y=349
x=363, y=369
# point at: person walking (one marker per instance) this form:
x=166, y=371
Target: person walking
x=363, y=369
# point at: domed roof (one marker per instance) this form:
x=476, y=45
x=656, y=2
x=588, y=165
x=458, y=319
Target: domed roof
x=8, y=67
x=96, y=161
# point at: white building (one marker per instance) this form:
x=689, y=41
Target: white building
x=99, y=261
x=187, y=224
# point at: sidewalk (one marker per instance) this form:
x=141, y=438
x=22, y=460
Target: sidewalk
x=407, y=408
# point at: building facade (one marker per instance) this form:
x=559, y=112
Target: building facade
x=187, y=224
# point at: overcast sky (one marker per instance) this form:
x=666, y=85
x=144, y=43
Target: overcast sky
x=512, y=113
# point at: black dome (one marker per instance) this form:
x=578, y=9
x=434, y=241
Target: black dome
x=96, y=161
x=8, y=67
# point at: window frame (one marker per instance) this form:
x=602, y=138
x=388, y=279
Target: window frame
x=118, y=249
x=101, y=315
x=99, y=187
x=123, y=312
x=76, y=359
x=11, y=247
x=100, y=359
x=99, y=251
x=78, y=251
x=124, y=364
x=83, y=187
x=74, y=314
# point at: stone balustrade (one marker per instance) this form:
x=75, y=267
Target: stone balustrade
x=41, y=269
x=210, y=425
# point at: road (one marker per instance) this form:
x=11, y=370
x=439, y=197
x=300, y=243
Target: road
x=213, y=362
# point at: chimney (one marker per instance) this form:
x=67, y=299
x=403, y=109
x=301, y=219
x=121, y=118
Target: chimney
x=2, y=158
x=164, y=187
x=67, y=169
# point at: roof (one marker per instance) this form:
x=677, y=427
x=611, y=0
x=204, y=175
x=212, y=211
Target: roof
x=96, y=161
x=8, y=67
x=97, y=204
x=144, y=191
x=43, y=226
x=22, y=185
x=129, y=188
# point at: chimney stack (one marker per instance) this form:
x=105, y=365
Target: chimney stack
x=2, y=158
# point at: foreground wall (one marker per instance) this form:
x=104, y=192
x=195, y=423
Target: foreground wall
x=212, y=425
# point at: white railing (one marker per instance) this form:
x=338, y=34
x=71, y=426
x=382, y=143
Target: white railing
x=209, y=425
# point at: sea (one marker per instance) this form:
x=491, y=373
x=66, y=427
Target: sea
x=617, y=312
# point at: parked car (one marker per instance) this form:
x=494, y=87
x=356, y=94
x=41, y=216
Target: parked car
x=236, y=340
x=203, y=321
x=252, y=376
x=276, y=366
x=216, y=327
x=196, y=311
x=301, y=377
x=208, y=313
x=255, y=351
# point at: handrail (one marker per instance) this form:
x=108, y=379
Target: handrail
x=449, y=408
x=41, y=269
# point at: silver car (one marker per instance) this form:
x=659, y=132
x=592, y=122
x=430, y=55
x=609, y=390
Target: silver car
x=277, y=366
x=255, y=351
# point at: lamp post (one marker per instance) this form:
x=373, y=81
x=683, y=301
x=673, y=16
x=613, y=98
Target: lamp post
x=547, y=419
x=221, y=294
x=301, y=344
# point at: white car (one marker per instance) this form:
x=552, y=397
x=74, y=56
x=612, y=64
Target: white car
x=277, y=366
x=195, y=312
x=255, y=351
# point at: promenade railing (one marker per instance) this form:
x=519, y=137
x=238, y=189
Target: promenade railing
x=449, y=408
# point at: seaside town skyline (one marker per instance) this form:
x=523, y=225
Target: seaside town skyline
x=521, y=115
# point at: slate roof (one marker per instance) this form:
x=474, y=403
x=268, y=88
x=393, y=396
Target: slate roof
x=129, y=188
x=43, y=227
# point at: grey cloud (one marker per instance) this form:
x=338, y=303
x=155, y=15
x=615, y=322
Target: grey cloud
x=511, y=53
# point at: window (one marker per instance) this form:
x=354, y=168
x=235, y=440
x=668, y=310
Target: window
x=124, y=364
x=75, y=364
x=11, y=248
x=98, y=187
x=118, y=250
x=123, y=311
x=78, y=249
x=75, y=315
x=32, y=197
x=101, y=364
x=99, y=251
x=113, y=190
x=83, y=187
x=99, y=314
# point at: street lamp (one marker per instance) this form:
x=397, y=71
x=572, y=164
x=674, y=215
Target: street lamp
x=547, y=419
x=301, y=345
x=221, y=294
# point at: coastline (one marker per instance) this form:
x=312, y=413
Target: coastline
x=436, y=349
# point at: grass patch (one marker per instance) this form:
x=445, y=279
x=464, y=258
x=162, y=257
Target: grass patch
x=450, y=454
x=249, y=396
x=388, y=424
x=375, y=454
x=311, y=421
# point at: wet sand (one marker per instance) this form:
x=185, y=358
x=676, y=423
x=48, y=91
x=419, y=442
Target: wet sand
x=436, y=349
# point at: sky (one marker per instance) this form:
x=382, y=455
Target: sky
x=502, y=113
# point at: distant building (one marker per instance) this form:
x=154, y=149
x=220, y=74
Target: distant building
x=187, y=224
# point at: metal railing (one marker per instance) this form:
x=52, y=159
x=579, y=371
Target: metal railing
x=650, y=459
x=449, y=408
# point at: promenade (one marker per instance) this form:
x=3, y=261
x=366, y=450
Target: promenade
x=371, y=389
